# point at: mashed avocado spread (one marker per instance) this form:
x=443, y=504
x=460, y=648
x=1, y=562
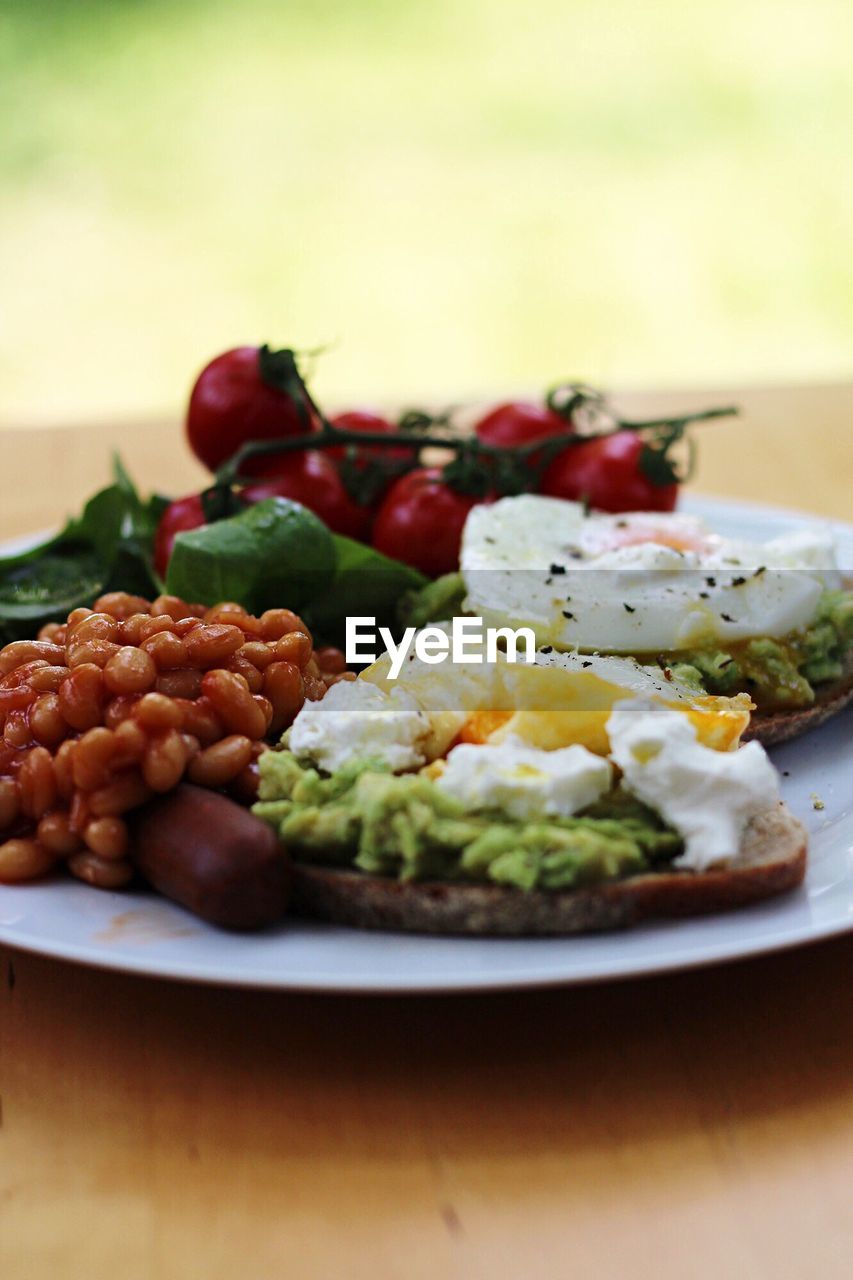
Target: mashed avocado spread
x=404, y=826
x=778, y=674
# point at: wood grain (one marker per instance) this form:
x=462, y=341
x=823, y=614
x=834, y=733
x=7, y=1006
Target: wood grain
x=693, y=1127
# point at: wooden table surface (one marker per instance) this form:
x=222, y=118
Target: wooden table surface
x=698, y=1125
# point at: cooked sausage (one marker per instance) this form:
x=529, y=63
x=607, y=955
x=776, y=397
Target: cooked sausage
x=213, y=857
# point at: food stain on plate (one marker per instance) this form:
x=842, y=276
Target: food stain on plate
x=145, y=924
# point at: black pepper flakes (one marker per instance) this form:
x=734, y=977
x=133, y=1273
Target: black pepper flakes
x=567, y=614
x=558, y=568
x=629, y=608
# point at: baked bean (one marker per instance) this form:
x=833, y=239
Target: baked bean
x=130, y=744
x=208, y=646
x=221, y=762
x=102, y=873
x=54, y=832
x=23, y=675
x=120, y=709
x=131, y=631
x=9, y=802
x=167, y=650
x=21, y=651
x=259, y=654
x=81, y=697
x=120, y=605
x=249, y=625
x=16, y=699
x=294, y=647
x=227, y=611
x=170, y=607
x=284, y=687
x=130, y=671
x=164, y=762
x=52, y=631
x=97, y=626
x=91, y=766
x=16, y=731
x=125, y=792
x=250, y=673
x=179, y=684
x=97, y=652
x=233, y=703
x=276, y=623
x=201, y=720
x=266, y=709
x=183, y=626
x=156, y=712
x=63, y=768
x=331, y=660
x=37, y=783
x=23, y=860
x=46, y=721
x=152, y=626
x=123, y=700
x=107, y=837
x=48, y=679
x=78, y=814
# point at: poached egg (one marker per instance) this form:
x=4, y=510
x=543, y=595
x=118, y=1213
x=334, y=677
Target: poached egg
x=640, y=582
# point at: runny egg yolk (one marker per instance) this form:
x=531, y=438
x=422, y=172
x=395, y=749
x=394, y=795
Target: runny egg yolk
x=676, y=539
x=719, y=724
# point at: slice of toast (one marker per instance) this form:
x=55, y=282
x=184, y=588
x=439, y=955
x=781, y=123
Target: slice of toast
x=772, y=859
x=771, y=728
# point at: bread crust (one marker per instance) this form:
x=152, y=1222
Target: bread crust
x=771, y=728
x=772, y=860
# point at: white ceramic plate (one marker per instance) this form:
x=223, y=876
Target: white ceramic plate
x=139, y=933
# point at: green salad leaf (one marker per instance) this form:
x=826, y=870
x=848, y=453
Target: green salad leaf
x=273, y=553
x=107, y=547
x=365, y=583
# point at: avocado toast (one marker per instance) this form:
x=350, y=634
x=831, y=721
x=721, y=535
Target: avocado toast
x=512, y=839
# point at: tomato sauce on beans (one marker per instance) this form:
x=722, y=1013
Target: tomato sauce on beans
x=124, y=700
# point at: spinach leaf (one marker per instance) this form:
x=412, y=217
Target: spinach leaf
x=274, y=553
x=366, y=583
x=107, y=547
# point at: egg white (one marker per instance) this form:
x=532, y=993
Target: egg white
x=641, y=582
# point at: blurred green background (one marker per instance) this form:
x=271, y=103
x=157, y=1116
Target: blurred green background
x=459, y=198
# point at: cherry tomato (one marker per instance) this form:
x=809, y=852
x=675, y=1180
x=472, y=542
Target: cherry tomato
x=232, y=403
x=366, y=420
x=520, y=422
x=312, y=478
x=182, y=514
x=420, y=521
x=606, y=473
